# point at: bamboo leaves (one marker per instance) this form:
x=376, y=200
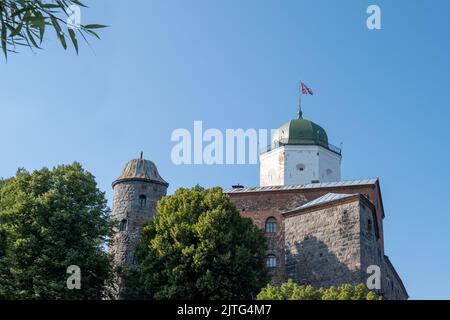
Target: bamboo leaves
x=25, y=22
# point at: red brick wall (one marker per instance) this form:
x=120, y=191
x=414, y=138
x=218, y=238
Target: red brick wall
x=259, y=206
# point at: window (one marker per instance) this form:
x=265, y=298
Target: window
x=123, y=225
x=142, y=201
x=271, y=225
x=271, y=261
x=300, y=167
x=369, y=225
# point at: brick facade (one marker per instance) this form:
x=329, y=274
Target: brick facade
x=324, y=245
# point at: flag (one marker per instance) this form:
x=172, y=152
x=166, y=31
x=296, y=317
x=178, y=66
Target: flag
x=305, y=89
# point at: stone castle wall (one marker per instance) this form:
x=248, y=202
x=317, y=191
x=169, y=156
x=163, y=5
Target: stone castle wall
x=392, y=284
x=259, y=206
x=127, y=206
x=323, y=246
x=326, y=247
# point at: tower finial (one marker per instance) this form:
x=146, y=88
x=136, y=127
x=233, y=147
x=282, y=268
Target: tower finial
x=142, y=155
x=300, y=113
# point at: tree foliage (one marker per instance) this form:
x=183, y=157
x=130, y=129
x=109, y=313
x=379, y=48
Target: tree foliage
x=293, y=291
x=199, y=247
x=24, y=23
x=50, y=220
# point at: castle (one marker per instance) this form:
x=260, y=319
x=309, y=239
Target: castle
x=321, y=230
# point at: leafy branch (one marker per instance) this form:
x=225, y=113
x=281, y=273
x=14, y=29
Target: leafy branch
x=24, y=23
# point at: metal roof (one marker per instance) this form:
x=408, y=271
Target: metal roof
x=140, y=169
x=304, y=186
x=323, y=199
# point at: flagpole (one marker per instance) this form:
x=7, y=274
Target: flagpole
x=300, y=113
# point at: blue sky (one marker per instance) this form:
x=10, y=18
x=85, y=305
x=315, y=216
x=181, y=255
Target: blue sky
x=236, y=64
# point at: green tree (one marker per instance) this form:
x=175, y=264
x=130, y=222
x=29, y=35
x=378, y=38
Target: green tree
x=24, y=23
x=293, y=291
x=199, y=247
x=50, y=220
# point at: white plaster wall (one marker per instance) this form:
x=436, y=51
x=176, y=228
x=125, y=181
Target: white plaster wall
x=305, y=156
x=271, y=168
x=319, y=163
x=280, y=166
x=332, y=161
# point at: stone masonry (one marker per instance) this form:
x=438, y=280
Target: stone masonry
x=136, y=193
x=323, y=245
x=131, y=211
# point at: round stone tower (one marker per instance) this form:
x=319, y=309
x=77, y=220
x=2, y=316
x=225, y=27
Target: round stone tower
x=136, y=192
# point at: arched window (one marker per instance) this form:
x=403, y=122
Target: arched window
x=142, y=201
x=123, y=225
x=271, y=225
x=271, y=261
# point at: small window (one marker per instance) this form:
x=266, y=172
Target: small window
x=369, y=225
x=271, y=225
x=123, y=225
x=142, y=201
x=271, y=261
x=300, y=167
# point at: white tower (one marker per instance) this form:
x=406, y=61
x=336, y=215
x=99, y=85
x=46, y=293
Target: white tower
x=300, y=154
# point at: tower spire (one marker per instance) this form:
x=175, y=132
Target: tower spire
x=300, y=113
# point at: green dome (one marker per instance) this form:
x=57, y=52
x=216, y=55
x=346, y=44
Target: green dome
x=302, y=131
